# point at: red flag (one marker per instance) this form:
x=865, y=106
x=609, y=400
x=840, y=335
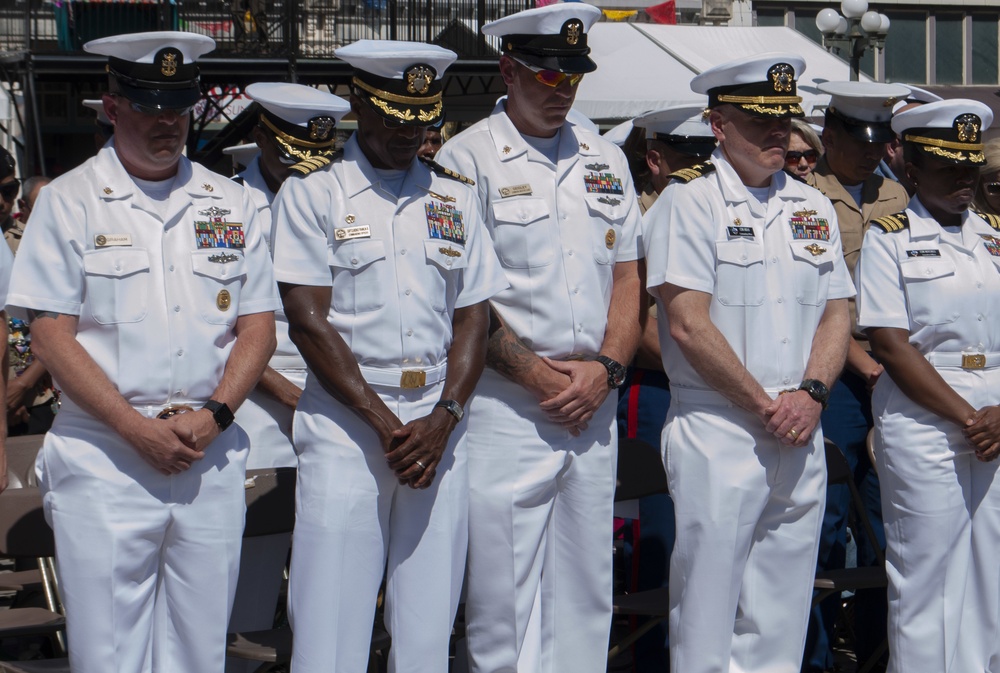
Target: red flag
x=664, y=13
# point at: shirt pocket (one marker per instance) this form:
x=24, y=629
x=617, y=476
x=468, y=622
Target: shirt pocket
x=117, y=284
x=449, y=259
x=359, y=281
x=930, y=288
x=607, y=216
x=522, y=228
x=218, y=284
x=813, y=264
x=739, y=273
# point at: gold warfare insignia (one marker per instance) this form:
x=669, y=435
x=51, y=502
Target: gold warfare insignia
x=168, y=65
x=597, y=167
x=804, y=213
x=573, y=29
x=320, y=128
x=223, y=300
x=419, y=78
x=442, y=197
x=224, y=258
x=450, y=252
x=608, y=200
x=782, y=77
x=815, y=250
x=609, y=238
x=349, y=219
x=968, y=126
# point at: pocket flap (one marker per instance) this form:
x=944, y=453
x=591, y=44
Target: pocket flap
x=926, y=268
x=355, y=254
x=446, y=254
x=814, y=252
x=609, y=207
x=739, y=252
x=520, y=211
x=115, y=262
x=220, y=263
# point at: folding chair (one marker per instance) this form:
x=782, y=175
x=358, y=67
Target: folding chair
x=640, y=473
x=21, y=454
x=829, y=582
x=24, y=533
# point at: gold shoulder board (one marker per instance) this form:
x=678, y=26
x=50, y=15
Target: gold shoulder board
x=992, y=220
x=893, y=223
x=446, y=172
x=696, y=171
x=307, y=166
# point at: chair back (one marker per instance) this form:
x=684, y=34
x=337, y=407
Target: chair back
x=640, y=470
x=23, y=529
x=21, y=454
x=270, y=494
x=838, y=471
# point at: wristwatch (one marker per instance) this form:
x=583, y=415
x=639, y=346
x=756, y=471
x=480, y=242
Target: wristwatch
x=221, y=412
x=616, y=371
x=453, y=408
x=817, y=390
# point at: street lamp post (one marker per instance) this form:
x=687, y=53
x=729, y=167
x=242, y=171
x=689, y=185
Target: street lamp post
x=857, y=30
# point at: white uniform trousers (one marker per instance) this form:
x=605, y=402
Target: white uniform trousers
x=354, y=520
x=147, y=563
x=268, y=423
x=540, y=525
x=941, y=508
x=748, y=512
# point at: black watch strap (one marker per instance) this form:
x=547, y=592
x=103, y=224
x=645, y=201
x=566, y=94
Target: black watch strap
x=616, y=371
x=221, y=413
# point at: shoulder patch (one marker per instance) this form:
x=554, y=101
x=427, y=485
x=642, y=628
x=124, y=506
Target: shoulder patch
x=696, y=171
x=893, y=223
x=238, y=179
x=992, y=220
x=445, y=172
x=307, y=166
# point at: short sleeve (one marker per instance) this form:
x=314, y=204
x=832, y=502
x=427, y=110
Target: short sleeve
x=299, y=217
x=483, y=277
x=260, y=294
x=881, y=297
x=678, y=234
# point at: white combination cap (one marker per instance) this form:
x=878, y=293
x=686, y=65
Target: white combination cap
x=947, y=130
x=553, y=37
x=865, y=108
x=762, y=85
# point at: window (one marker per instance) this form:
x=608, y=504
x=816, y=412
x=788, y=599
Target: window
x=949, y=47
x=984, y=49
x=906, y=47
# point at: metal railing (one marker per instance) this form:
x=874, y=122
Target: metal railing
x=299, y=28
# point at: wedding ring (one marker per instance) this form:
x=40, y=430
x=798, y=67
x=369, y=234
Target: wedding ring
x=794, y=433
x=422, y=466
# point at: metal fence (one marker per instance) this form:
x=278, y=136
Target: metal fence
x=264, y=28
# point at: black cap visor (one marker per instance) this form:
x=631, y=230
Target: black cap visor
x=865, y=131
x=159, y=98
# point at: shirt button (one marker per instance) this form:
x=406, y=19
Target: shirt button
x=785, y=340
x=564, y=216
x=570, y=253
x=579, y=328
x=171, y=267
x=403, y=251
x=743, y=258
x=979, y=285
x=524, y=216
x=354, y=261
x=118, y=267
x=781, y=300
x=774, y=260
x=786, y=380
x=407, y=292
x=409, y=332
x=979, y=317
x=576, y=290
x=928, y=272
x=177, y=309
x=180, y=352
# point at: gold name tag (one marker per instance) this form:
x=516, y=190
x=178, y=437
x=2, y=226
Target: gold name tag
x=106, y=240
x=361, y=231
x=515, y=190
x=976, y=361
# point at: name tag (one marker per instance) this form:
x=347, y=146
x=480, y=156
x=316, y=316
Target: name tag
x=515, y=190
x=107, y=240
x=360, y=231
x=923, y=253
x=740, y=232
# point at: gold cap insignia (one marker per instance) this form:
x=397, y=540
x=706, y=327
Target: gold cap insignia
x=782, y=77
x=223, y=300
x=573, y=28
x=320, y=128
x=968, y=126
x=419, y=78
x=609, y=238
x=168, y=64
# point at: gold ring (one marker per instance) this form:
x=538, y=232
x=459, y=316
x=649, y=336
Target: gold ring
x=794, y=433
x=422, y=466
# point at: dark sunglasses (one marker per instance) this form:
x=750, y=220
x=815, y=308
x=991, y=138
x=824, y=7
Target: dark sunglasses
x=9, y=190
x=794, y=157
x=153, y=111
x=992, y=188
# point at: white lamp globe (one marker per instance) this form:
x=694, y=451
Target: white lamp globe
x=871, y=22
x=884, y=27
x=827, y=20
x=842, y=26
x=853, y=9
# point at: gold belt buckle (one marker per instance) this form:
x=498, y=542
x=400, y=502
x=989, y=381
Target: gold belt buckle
x=973, y=361
x=173, y=410
x=413, y=378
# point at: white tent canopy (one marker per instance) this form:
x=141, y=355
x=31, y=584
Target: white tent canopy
x=643, y=66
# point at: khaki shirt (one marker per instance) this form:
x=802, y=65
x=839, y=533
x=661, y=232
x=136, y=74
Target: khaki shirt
x=647, y=198
x=879, y=197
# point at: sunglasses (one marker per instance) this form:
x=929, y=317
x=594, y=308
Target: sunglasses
x=9, y=190
x=154, y=111
x=810, y=156
x=992, y=188
x=553, y=78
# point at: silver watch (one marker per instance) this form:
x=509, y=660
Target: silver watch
x=453, y=408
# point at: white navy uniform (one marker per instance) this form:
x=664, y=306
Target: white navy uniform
x=941, y=505
x=398, y=267
x=540, y=499
x=148, y=287
x=770, y=272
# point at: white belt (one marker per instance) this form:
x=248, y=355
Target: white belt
x=154, y=410
x=286, y=362
x=405, y=378
x=964, y=360
x=702, y=396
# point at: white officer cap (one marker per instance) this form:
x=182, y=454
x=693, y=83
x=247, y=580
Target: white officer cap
x=97, y=105
x=155, y=69
x=916, y=96
x=864, y=108
x=300, y=118
x=949, y=130
x=683, y=127
x=242, y=154
x=762, y=85
x=619, y=134
x=552, y=37
x=400, y=80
